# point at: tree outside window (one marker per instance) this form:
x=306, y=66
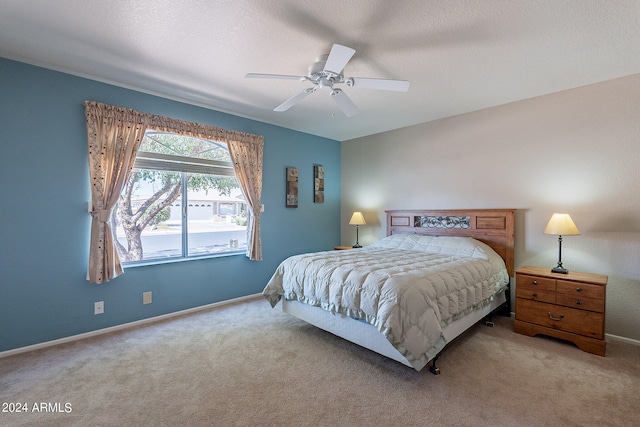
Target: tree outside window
x=182, y=199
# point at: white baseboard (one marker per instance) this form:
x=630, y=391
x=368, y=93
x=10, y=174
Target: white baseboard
x=72, y=338
x=124, y=326
x=623, y=339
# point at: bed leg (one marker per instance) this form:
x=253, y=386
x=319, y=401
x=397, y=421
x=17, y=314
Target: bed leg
x=488, y=320
x=433, y=369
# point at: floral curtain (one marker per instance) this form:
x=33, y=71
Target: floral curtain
x=247, y=162
x=114, y=135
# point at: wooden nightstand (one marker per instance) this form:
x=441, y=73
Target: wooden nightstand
x=566, y=306
x=342, y=248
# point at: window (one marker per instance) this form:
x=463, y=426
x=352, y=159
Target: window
x=181, y=200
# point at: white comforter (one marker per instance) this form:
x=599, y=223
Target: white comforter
x=407, y=286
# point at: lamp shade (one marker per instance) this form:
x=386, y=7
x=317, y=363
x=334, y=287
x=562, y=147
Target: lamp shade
x=562, y=225
x=357, y=219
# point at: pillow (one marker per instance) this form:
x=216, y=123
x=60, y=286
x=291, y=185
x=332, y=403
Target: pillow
x=446, y=245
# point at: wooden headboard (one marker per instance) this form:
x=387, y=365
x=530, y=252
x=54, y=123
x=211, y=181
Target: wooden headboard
x=495, y=227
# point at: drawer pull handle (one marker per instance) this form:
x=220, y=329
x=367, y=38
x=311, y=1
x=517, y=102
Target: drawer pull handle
x=535, y=282
x=578, y=302
x=555, y=318
x=579, y=289
x=535, y=295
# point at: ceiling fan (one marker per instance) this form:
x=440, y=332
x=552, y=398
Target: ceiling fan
x=327, y=72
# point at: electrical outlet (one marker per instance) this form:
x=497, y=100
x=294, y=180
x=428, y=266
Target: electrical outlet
x=98, y=307
x=146, y=297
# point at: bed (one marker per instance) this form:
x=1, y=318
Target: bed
x=435, y=274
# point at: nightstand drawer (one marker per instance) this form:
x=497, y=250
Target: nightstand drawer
x=535, y=283
x=535, y=294
x=591, y=304
x=576, y=289
x=582, y=322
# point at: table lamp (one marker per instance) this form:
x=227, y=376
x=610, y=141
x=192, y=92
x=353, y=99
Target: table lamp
x=561, y=225
x=357, y=219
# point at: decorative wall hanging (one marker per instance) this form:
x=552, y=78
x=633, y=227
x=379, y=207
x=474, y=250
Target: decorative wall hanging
x=318, y=184
x=292, y=188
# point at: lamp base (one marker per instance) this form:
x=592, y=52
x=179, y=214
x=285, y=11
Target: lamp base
x=560, y=270
x=356, y=246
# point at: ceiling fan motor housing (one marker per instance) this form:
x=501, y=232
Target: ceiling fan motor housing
x=317, y=67
x=325, y=79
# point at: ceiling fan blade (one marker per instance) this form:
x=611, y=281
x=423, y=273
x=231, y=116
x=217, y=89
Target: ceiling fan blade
x=346, y=105
x=338, y=58
x=294, y=99
x=274, y=76
x=382, y=84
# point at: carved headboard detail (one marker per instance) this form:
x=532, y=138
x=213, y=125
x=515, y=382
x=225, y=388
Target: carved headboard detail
x=495, y=227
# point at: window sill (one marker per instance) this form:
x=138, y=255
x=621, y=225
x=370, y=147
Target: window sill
x=146, y=263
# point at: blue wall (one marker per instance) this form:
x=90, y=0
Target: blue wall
x=44, y=224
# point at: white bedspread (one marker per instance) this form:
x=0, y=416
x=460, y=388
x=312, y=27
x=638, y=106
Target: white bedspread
x=407, y=286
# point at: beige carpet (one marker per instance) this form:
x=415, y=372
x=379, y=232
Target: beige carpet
x=249, y=365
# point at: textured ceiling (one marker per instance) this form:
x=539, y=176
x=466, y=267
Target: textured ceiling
x=459, y=56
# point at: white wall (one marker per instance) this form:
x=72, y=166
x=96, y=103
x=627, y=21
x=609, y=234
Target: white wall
x=576, y=151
